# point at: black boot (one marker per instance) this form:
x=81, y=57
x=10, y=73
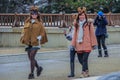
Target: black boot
x=100, y=53
x=72, y=70
x=39, y=70
x=106, y=53
x=31, y=76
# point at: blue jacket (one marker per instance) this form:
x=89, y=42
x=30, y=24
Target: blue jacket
x=101, y=25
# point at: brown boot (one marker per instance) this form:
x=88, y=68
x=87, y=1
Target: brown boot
x=86, y=73
x=82, y=75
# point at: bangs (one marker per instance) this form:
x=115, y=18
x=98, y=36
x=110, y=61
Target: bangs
x=81, y=13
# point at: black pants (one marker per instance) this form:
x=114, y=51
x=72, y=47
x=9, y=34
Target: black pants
x=72, y=60
x=72, y=55
x=83, y=59
x=101, y=41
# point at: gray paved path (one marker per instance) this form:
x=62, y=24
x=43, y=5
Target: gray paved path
x=56, y=65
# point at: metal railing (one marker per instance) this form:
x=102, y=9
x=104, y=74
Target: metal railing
x=51, y=20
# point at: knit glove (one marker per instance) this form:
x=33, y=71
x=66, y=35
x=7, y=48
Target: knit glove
x=94, y=47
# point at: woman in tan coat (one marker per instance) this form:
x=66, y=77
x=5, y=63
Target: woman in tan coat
x=84, y=39
x=33, y=36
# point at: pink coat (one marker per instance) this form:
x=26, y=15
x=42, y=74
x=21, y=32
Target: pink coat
x=89, y=38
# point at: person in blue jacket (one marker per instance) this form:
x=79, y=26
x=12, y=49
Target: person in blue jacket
x=101, y=33
x=69, y=36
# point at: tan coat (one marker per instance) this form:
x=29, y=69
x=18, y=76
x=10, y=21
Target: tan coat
x=32, y=31
x=89, y=38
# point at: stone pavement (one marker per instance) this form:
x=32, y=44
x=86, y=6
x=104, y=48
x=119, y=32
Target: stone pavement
x=89, y=78
x=14, y=64
x=20, y=50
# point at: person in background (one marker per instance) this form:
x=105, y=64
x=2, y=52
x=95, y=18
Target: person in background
x=33, y=35
x=84, y=40
x=101, y=33
x=69, y=37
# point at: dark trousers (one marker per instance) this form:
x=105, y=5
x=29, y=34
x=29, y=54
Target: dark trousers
x=83, y=59
x=72, y=60
x=101, y=41
x=72, y=55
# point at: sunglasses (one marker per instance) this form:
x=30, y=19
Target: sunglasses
x=34, y=13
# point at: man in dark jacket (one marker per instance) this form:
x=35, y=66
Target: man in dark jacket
x=101, y=32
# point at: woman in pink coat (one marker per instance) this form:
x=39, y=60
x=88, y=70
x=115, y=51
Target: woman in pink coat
x=84, y=40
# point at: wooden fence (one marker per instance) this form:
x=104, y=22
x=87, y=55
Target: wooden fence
x=51, y=20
